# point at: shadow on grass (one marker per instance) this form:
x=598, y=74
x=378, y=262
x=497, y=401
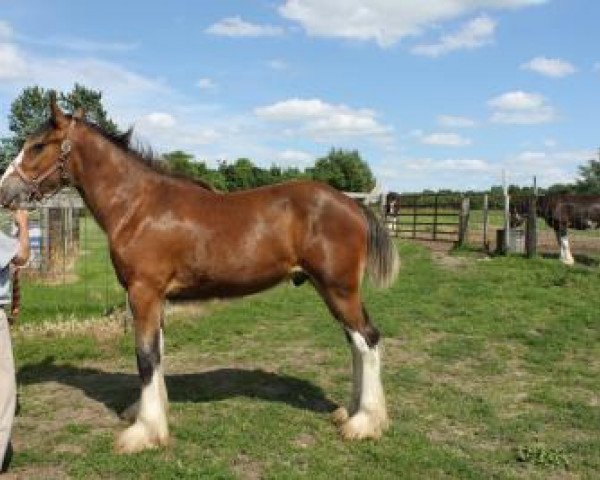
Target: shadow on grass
x=579, y=258
x=118, y=390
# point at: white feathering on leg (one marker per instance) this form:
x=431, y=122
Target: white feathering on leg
x=371, y=418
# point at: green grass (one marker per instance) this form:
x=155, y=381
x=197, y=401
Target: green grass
x=83, y=287
x=491, y=370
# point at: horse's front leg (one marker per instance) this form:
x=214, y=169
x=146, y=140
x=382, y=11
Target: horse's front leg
x=149, y=415
x=562, y=238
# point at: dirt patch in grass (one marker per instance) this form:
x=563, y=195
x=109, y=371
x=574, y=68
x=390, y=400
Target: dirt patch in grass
x=304, y=440
x=36, y=473
x=450, y=261
x=50, y=408
x=247, y=468
x=102, y=327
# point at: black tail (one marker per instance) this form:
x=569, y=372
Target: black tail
x=383, y=261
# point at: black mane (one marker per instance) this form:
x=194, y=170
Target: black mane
x=143, y=154
x=139, y=152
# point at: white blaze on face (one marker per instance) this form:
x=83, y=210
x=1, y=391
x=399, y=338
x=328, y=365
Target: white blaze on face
x=11, y=167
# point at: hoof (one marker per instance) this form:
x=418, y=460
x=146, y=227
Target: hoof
x=569, y=262
x=339, y=416
x=363, y=425
x=137, y=438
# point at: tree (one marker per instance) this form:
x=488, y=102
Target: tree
x=31, y=109
x=344, y=170
x=590, y=177
x=27, y=113
x=239, y=175
x=91, y=102
x=181, y=163
x=185, y=164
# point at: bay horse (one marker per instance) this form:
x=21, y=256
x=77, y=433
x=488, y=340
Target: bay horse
x=561, y=212
x=172, y=238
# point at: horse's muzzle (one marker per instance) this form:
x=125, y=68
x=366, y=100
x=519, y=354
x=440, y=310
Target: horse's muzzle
x=13, y=192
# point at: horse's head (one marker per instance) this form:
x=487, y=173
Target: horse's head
x=518, y=212
x=40, y=168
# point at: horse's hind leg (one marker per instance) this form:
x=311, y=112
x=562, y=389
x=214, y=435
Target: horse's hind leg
x=150, y=428
x=367, y=415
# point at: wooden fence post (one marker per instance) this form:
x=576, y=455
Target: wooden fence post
x=435, y=218
x=531, y=230
x=486, y=242
x=463, y=224
x=414, y=217
x=505, y=247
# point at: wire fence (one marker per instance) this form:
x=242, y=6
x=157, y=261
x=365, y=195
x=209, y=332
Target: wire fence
x=69, y=274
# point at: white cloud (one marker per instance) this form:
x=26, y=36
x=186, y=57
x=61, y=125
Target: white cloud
x=200, y=136
x=277, y=64
x=474, y=34
x=206, y=84
x=445, y=140
x=550, y=67
x=81, y=44
x=412, y=174
x=163, y=129
x=323, y=121
x=384, y=21
x=521, y=108
x=465, y=165
x=236, y=27
x=294, y=158
x=18, y=69
x=454, y=121
x=517, y=100
x=6, y=30
x=159, y=120
x=66, y=42
x=13, y=65
x=548, y=166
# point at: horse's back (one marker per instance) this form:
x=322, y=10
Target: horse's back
x=245, y=241
x=575, y=211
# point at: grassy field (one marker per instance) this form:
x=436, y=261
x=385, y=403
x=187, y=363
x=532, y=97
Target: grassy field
x=82, y=286
x=491, y=367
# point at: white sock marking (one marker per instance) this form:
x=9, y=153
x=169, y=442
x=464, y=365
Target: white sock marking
x=565, y=250
x=372, y=400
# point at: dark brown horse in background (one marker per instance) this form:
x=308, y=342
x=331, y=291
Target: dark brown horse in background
x=561, y=212
x=173, y=238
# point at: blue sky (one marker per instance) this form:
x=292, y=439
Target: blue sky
x=433, y=94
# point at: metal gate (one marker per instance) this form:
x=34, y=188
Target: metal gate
x=427, y=217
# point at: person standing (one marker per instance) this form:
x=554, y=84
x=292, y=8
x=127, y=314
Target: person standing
x=15, y=252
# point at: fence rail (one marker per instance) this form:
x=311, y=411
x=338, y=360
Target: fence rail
x=447, y=218
x=428, y=217
x=69, y=274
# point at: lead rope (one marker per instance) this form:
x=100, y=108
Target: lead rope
x=15, y=306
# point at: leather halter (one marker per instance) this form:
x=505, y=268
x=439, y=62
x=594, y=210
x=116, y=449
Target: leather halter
x=61, y=165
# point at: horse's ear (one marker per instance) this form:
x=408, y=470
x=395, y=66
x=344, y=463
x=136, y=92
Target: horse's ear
x=79, y=114
x=56, y=114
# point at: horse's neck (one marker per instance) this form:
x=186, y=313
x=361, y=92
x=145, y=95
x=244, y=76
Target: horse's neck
x=110, y=182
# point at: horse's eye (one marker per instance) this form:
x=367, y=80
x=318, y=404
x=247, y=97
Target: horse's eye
x=37, y=147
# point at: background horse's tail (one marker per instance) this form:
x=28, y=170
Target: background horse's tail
x=383, y=261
